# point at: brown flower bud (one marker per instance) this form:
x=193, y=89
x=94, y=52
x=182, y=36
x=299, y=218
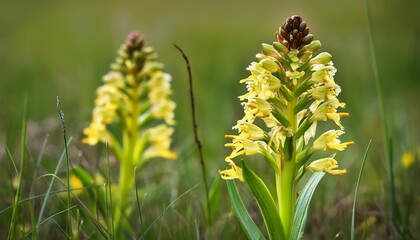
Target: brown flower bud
x=294, y=33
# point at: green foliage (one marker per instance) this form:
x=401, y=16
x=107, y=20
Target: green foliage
x=352, y=230
x=14, y=223
x=63, y=48
x=302, y=205
x=266, y=203
x=248, y=225
x=49, y=191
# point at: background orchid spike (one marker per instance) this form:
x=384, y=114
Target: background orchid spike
x=136, y=96
x=134, y=101
x=289, y=91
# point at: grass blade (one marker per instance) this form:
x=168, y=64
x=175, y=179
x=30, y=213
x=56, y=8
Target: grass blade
x=138, y=202
x=13, y=230
x=31, y=191
x=357, y=189
x=10, y=156
x=144, y=235
x=395, y=215
x=108, y=193
x=248, y=225
x=302, y=205
x=266, y=203
x=214, y=197
x=63, y=127
x=44, y=203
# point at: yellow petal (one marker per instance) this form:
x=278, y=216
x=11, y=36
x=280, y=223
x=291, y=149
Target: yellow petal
x=234, y=173
x=328, y=165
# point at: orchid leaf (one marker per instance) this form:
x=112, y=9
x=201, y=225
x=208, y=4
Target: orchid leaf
x=266, y=203
x=248, y=225
x=302, y=205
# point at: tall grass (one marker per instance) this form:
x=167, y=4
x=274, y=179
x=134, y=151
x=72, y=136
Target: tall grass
x=37, y=199
x=362, y=167
x=386, y=138
x=14, y=223
x=49, y=192
x=63, y=127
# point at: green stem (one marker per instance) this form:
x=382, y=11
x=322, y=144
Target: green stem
x=285, y=180
x=126, y=181
x=126, y=170
x=279, y=186
x=288, y=202
x=127, y=164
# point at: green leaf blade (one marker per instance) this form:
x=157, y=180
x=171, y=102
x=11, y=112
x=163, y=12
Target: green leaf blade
x=248, y=225
x=302, y=205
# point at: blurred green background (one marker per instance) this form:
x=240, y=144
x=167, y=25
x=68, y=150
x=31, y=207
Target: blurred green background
x=62, y=48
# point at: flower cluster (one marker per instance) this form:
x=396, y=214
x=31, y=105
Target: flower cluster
x=288, y=92
x=135, y=95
